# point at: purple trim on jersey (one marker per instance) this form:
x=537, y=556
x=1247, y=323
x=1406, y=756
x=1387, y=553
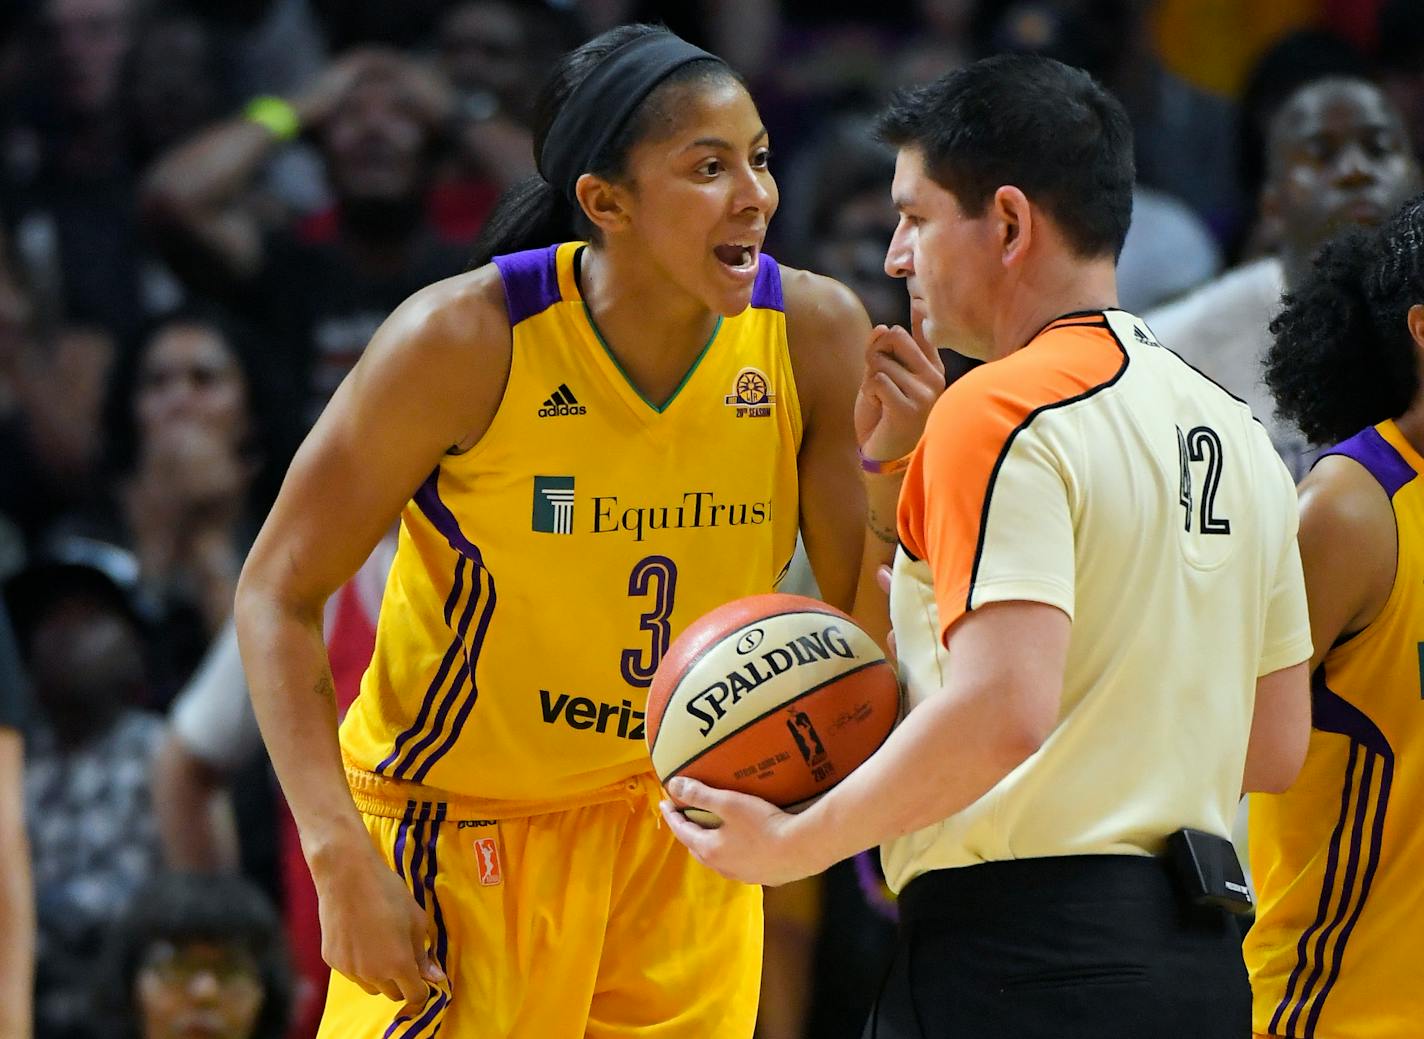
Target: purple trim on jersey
x=1327, y=887
x=474, y=695
x=456, y=587
x=437, y=727
x=766, y=290
x=453, y=652
x=1377, y=840
x=1332, y=713
x=531, y=282
x=1377, y=455
x=427, y=500
x=1347, y=893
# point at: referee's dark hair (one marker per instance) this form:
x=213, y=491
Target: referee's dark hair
x=1031, y=122
x=1342, y=357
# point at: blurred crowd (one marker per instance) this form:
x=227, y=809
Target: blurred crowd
x=208, y=206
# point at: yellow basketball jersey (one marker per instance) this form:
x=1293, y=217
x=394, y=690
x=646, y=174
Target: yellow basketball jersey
x=541, y=575
x=1339, y=934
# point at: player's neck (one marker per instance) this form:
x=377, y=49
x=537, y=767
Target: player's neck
x=1411, y=424
x=654, y=329
x=1047, y=292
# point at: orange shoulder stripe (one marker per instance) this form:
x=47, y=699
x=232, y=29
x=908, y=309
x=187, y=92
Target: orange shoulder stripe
x=944, y=503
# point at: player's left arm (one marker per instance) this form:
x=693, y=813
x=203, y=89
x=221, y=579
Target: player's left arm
x=858, y=386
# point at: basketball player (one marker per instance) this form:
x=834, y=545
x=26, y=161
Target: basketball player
x=1097, y=604
x=1339, y=930
x=588, y=446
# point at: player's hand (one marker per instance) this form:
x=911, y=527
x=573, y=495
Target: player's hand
x=757, y=842
x=903, y=378
x=374, y=933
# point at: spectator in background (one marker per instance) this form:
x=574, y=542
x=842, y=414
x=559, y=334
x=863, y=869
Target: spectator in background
x=489, y=52
x=195, y=956
x=194, y=458
x=1168, y=251
x=68, y=178
x=493, y=58
x=213, y=735
x=1338, y=157
x=17, y=896
x=357, y=23
x=1401, y=61
x=1182, y=135
x=319, y=292
x=1179, y=137
x=55, y=376
x=1297, y=59
x=54, y=437
x=941, y=42
x=91, y=826
x=172, y=83
x=266, y=46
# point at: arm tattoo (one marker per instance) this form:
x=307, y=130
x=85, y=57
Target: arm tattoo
x=888, y=534
x=324, y=688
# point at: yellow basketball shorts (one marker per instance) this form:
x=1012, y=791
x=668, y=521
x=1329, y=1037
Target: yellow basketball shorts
x=592, y=921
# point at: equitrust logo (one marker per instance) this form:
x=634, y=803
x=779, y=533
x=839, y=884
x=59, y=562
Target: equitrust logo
x=553, y=505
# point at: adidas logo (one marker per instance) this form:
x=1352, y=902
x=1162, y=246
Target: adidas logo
x=561, y=402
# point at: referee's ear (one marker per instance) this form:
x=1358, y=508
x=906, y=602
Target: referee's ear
x=1013, y=224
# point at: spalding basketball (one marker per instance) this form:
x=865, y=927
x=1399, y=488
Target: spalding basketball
x=780, y=696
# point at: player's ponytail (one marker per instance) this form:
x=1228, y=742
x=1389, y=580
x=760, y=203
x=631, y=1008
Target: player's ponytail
x=529, y=214
x=1342, y=356
x=625, y=74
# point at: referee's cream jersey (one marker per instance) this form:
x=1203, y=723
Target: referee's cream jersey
x=1095, y=471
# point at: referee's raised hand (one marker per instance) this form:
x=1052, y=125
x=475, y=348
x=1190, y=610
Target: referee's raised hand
x=903, y=378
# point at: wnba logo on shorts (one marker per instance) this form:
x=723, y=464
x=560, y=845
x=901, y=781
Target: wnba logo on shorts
x=490, y=871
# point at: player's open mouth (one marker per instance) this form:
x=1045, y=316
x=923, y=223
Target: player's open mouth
x=740, y=257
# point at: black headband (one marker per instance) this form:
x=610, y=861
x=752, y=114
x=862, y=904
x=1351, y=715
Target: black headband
x=602, y=103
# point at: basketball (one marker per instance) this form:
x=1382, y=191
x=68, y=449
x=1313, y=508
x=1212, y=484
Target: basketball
x=776, y=695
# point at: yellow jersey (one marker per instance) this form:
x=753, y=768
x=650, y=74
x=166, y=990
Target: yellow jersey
x=541, y=575
x=1339, y=932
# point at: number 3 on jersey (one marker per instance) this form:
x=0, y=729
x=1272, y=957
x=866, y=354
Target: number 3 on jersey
x=1202, y=444
x=654, y=576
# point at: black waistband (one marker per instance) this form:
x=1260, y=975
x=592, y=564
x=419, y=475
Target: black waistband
x=991, y=888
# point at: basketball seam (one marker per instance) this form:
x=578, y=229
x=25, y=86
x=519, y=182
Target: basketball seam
x=767, y=714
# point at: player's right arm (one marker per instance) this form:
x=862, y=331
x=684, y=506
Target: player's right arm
x=428, y=383
x=1341, y=504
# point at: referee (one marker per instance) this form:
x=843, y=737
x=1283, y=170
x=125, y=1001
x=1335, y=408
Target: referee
x=1097, y=603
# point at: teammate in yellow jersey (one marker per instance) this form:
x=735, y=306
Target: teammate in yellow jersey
x=1339, y=931
x=588, y=444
